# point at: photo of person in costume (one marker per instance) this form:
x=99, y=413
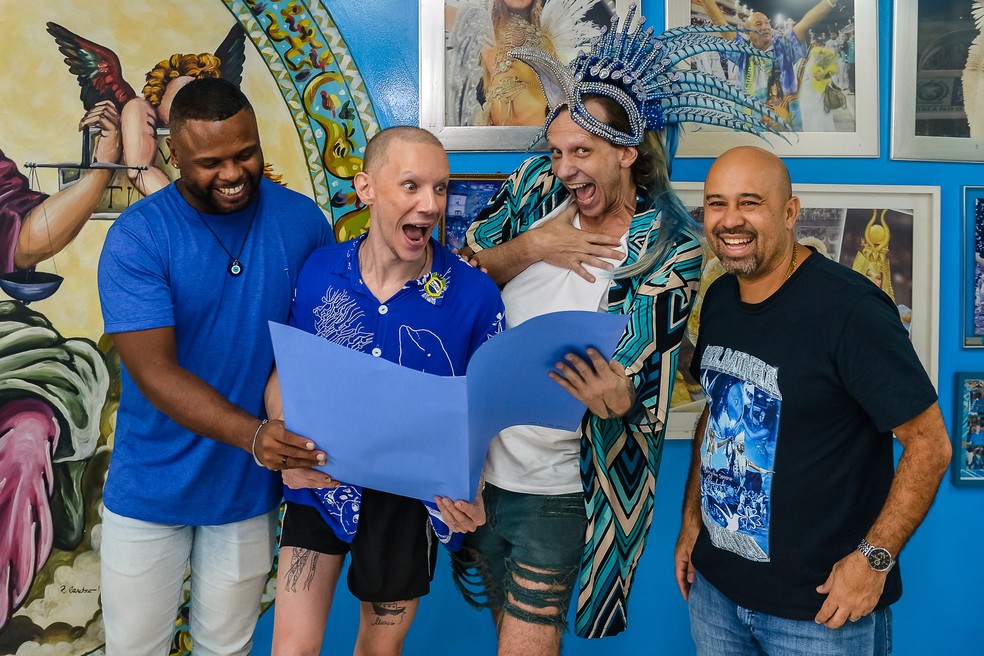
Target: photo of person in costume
x=798, y=57
x=485, y=85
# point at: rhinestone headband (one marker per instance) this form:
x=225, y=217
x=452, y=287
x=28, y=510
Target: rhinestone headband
x=636, y=68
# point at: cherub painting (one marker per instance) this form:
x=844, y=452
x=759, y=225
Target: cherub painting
x=100, y=77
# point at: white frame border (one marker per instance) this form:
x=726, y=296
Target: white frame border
x=432, y=93
x=706, y=141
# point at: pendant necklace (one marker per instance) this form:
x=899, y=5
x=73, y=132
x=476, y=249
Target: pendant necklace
x=235, y=267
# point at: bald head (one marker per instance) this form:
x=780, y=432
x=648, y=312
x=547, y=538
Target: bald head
x=761, y=30
x=750, y=212
x=766, y=165
x=377, y=150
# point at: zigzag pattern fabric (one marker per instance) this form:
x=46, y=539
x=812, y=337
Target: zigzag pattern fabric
x=619, y=457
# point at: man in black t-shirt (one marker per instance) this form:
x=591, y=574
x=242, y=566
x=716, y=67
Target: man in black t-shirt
x=794, y=513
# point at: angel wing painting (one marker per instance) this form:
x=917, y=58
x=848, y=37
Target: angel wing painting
x=100, y=77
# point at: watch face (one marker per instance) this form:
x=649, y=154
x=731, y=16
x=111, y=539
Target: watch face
x=879, y=559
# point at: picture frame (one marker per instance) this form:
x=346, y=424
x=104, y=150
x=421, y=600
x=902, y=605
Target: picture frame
x=973, y=267
x=968, y=429
x=848, y=131
x=834, y=218
x=931, y=43
x=440, y=46
x=468, y=194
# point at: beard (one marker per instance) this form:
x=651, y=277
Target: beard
x=738, y=266
x=204, y=197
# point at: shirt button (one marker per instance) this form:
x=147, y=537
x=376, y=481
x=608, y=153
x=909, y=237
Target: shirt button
x=383, y=309
x=377, y=352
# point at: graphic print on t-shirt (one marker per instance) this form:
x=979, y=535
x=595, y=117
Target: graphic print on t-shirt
x=737, y=456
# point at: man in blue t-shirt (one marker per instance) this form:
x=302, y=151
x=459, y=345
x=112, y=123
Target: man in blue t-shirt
x=188, y=279
x=794, y=513
x=397, y=294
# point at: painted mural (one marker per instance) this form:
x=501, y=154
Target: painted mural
x=95, y=86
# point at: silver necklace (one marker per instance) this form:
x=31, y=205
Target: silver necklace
x=235, y=266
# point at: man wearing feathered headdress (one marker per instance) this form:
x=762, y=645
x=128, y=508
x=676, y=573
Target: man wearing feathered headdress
x=593, y=226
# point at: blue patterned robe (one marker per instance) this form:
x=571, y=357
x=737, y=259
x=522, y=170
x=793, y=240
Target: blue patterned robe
x=619, y=457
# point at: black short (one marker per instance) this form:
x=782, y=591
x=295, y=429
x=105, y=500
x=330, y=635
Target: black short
x=393, y=551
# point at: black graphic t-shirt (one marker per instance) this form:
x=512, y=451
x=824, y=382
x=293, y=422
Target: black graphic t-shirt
x=804, y=390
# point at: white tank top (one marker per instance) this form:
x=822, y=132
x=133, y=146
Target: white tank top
x=532, y=459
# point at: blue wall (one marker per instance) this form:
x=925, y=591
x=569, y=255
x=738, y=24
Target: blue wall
x=943, y=579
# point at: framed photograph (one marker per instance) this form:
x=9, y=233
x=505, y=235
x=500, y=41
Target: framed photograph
x=888, y=233
x=973, y=283
x=938, y=82
x=819, y=73
x=968, y=433
x=468, y=194
x=473, y=96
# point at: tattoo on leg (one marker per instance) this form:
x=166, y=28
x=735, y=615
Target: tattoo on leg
x=314, y=568
x=299, y=558
x=388, y=614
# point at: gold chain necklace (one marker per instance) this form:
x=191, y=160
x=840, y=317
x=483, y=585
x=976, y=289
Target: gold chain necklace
x=792, y=263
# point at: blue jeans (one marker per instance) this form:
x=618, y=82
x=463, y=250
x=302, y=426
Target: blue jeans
x=721, y=627
x=524, y=560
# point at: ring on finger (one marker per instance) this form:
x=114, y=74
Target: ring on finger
x=853, y=619
x=283, y=461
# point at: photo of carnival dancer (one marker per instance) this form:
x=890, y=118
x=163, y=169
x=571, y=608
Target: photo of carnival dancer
x=798, y=59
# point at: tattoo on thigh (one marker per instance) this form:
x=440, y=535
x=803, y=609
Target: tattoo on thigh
x=388, y=614
x=298, y=561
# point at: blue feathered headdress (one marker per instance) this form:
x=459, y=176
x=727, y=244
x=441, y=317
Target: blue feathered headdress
x=636, y=69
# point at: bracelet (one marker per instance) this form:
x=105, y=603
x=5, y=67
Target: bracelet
x=252, y=449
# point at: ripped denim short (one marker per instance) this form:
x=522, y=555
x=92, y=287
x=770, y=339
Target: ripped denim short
x=524, y=560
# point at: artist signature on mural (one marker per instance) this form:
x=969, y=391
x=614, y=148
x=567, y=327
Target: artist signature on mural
x=71, y=589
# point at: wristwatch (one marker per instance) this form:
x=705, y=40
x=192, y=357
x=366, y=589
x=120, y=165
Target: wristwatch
x=879, y=558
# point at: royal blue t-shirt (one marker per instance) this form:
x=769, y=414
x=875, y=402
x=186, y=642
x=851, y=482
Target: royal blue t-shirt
x=433, y=324
x=160, y=267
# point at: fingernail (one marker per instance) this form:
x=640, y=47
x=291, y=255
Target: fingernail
x=309, y=446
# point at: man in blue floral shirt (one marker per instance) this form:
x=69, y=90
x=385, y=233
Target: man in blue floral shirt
x=397, y=294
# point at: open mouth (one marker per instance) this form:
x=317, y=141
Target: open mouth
x=231, y=191
x=736, y=242
x=583, y=192
x=417, y=234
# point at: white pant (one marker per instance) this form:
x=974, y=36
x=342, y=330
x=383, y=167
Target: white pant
x=144, y=566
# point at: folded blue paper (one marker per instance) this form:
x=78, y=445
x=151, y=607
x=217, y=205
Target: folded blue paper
x=418, y=435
